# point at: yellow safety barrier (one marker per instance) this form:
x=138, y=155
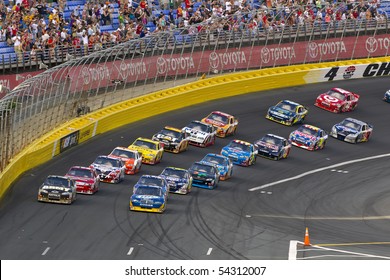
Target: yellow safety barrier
x=48, y=146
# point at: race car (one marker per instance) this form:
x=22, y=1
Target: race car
x=386, y=97
x=148, y=199
x=309, y=137
x=130, y=158
x=57, y=189
x=200, y=134
x=152, y=180
x=150, y=150
x=224, y=164
x=273, y=147
x=225, y=124
x=204, y=175
x=240, y=152
x=287, y=112
x=179, y=180
x=337, y=100
x=109, y=169
x=352, y=131
x=86, y=179
x=172, y=139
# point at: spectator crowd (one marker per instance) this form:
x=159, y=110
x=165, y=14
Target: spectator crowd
x=39, y=27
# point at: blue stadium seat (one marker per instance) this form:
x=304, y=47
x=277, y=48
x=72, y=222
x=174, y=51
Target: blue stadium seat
x=7, y=50
x=8, y=58
x=3, y=44
x=75, y=3
x=107, y=28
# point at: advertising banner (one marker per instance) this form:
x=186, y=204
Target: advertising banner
x=100, y=75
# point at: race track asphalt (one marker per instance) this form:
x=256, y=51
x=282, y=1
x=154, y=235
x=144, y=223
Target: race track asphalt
x=344, y=206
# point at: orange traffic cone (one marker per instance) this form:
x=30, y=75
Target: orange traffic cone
x=306, y=241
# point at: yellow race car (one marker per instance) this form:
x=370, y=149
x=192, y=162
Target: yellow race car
x=150, y=150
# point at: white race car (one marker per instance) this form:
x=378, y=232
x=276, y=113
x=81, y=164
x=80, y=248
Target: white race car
x=200, y=134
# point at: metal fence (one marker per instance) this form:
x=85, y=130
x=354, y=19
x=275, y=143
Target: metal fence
x=166, y=59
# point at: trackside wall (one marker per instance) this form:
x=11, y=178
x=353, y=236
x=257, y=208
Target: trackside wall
x=81, y=129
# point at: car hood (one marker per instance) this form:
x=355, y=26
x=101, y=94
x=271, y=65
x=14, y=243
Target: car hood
x=143, y=151
x=81, y=179
x=143, y=196
x=160, y=136
x=215, y=123
x=329, y=99
x=195, y=133
x=104, y=168
x=233, y=151
x=266, y=145
x=348, y=130
x=281, y=111
x=303, y=136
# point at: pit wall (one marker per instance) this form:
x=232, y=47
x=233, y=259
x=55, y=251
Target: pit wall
x=83, y=128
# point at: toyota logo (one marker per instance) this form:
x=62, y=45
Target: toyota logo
x=86, y=76
x=371, y=44
x=213, y=60
x=265, y=55
x=312, y=49
x=161, y=65
x=123, y=70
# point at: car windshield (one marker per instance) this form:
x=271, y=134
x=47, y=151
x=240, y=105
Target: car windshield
x=202, y=168
x=150, y=181
x=199, y=126
x=287, y=106
x=173, y=172
x=57, y=181
x=271, y=140
x=308, y=131
x=350, y=124
x=336, y=94
x=145, y=190
x=123, y=153
x=107, y=161
x=239, y=146
x=170, y=133
x=145, y=144
x=80, y=172
x=215, y=160
x=218, y=117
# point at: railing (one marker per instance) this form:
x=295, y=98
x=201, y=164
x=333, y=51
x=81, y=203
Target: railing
x=166, y=59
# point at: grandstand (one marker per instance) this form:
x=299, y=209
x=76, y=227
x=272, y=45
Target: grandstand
x=277, y=16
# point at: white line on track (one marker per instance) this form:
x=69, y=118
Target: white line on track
x=316, y=171
x=209, y=251
x=130, y=251
x=46, y=250
x=292, y=254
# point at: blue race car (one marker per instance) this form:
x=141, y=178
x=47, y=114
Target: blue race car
x=273, y=147
x=309, y=137
x=240, y=152
x=287, y=112
x=224, y=164
x=352, y=131
x=152, y=180
x=205, y=175
x=148, y=199
x=179, y=180
x=386, y=97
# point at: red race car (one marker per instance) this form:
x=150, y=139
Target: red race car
x=337, y=100
x=86, y=179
